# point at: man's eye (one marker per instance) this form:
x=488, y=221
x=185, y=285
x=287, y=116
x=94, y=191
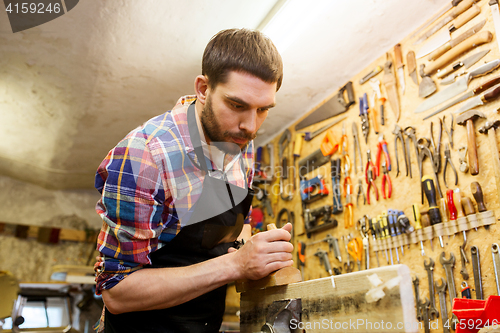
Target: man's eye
x=236, y=106
x=263, y=110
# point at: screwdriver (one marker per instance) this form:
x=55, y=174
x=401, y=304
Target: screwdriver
x=457, y=200
x=443, y=209
x=426, y=223
x=430, y=193
x=301, y=254
x=374, y=235
x=399, y=229
x=391, y=215
x=385, y=229
x=453, y=210
x=477, y=192
x=406, y=228
x=381, y=235
x=418, y=225
x=468, y=207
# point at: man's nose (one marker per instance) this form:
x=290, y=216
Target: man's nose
x=249, y=122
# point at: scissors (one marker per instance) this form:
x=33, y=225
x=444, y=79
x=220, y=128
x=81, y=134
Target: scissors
x=355, y=249
x=349, y=265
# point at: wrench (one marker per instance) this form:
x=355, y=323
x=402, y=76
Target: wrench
x=425, y=310
x=496, y=264
x=416, y=282
x=476, y=266
x=464, y=260
x=448, y=264
x=441, y=290
x=429, y=267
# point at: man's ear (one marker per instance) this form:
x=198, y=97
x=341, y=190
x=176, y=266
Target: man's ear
x=201, y=88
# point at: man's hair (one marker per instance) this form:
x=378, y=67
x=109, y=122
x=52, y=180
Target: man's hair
x=241, y=50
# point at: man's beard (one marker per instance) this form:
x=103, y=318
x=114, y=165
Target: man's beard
x=213, y=131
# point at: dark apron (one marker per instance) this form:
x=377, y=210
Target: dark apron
x=195, y=243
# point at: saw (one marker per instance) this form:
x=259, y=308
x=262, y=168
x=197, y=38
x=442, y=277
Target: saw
x=331, y=108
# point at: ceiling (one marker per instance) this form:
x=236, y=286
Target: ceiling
x=71, y=88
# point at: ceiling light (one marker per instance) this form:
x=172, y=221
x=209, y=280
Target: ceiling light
x=288, y=19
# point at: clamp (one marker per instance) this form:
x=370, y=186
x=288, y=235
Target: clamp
x=398, y=132
x=448, y=160
x=386, y=179
x=382, y=146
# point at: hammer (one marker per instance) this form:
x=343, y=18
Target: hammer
x=489, y=128
x=467, y=118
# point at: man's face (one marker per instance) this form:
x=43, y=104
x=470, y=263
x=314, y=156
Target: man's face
x=235, y=110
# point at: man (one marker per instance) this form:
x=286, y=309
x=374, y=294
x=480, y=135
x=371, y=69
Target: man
x=176, y=198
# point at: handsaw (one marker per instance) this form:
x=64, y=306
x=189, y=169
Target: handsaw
x=331, y=108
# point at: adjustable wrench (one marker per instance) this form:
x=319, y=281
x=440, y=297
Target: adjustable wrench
x=441, y=290
x=429, y=267
x=476, y=266
x=416, y=282
x=496, y=264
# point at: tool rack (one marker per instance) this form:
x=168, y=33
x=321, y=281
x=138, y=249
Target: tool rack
x=406, y=190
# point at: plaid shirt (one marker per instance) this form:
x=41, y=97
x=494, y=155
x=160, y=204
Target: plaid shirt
x=146, y=181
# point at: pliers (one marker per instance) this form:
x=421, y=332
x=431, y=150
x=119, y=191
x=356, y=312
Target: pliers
x=450, y=132
x=386, y=179
x=370, y=176
x=448, y=160
x=437, y=147
x=369, y=166
x=360, y=192
x=382, y=146
x=398, y=132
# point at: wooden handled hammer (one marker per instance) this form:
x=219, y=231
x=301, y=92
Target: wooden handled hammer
x=467, y=119
x=489, y=128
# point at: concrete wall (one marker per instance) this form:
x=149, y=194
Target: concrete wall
x=24, y=203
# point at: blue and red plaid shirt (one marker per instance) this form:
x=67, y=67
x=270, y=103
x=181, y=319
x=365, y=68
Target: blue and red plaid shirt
x=144, y=181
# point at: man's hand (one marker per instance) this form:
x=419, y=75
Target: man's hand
x=264, y=253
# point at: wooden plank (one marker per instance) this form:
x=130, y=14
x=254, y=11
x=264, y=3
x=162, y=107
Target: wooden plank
x=325, y=305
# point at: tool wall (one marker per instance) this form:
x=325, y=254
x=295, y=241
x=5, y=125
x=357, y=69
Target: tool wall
x=403, y=240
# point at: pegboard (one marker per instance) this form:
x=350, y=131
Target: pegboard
x=405, y=190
